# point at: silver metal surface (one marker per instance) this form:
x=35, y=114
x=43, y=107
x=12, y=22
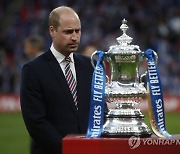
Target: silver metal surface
x=124, y=89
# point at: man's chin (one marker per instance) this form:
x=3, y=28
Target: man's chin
x=73, y=49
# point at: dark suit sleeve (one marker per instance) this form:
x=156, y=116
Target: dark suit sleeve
x=34, y=112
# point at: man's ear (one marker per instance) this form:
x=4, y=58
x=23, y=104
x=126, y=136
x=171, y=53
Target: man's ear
x=51, y=30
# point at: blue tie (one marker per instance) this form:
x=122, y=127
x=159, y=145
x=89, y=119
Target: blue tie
x=71, y=80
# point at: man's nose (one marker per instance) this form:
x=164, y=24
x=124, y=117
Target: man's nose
x=74, y=36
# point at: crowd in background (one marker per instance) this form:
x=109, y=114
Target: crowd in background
x=152, y=24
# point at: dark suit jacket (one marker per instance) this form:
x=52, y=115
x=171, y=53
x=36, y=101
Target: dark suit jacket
x=47, y=104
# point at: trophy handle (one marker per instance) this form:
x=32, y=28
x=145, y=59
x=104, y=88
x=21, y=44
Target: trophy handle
x=145, y=73
x=93, y=59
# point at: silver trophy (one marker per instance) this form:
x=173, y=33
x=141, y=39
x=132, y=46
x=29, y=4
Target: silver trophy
x=124, y=89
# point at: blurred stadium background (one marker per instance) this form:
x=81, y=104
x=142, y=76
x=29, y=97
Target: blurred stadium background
x=153, y=24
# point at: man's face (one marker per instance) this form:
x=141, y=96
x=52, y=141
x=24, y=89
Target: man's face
x=66, y=38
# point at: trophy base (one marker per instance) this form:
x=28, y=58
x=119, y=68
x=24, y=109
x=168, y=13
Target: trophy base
x=111, y=135
x=125, y=127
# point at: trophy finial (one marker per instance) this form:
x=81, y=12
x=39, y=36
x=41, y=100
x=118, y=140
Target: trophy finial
x=124, y=21
x=124, y=39
x=124, y=27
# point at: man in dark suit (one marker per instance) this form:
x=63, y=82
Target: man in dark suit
x=50, y=108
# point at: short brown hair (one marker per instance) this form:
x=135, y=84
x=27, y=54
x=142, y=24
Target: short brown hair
x=54, y=19
x=54, y=16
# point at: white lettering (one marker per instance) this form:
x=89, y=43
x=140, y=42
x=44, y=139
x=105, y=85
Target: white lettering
x=96, y=121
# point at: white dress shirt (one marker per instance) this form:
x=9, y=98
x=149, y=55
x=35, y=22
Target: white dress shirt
x=61, y=60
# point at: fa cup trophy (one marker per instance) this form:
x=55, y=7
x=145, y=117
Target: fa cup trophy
x=124, y=89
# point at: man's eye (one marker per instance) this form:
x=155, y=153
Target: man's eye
x=77, y=30
x=69, y=31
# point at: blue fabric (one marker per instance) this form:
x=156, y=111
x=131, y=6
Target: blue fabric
x=156, y=94
x=96, y=115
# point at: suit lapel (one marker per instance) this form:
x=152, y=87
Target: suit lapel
x=54, y=65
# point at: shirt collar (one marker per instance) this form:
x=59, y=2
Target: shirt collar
x=59, y=56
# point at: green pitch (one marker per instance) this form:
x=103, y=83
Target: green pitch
x=14, y=138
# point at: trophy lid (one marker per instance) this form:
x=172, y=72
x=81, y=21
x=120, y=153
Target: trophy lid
x=124, y=42
x=124, y=39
